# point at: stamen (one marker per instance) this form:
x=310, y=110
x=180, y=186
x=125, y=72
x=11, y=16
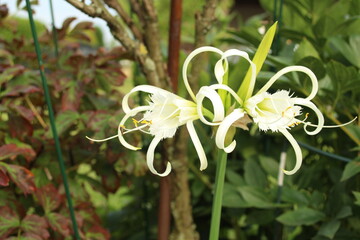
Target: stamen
x=135, y=122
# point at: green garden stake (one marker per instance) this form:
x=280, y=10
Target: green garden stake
x=52, y=120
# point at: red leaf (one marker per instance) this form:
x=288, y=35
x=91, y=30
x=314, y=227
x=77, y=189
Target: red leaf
x=24, y=112
x=22, y=177
x=98, y=232
x=20, y=89
x=12, y=150
x=4, y=179
x=59, y=223
x=49, y=197
x=25, y=130
x=9, y=221
x=35, y=226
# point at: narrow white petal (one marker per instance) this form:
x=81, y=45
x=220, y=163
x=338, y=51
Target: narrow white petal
x=320, y=116
x=227, y=88
x=187, y=61
x=141, y=88
x=199, y=149
x=213, y=96
x=298, y=153
x=122, y=122
x=314, y=81
x=101, y=140
x=236, y=52
x=221, y=67
x=150, y=158
x=224, y=128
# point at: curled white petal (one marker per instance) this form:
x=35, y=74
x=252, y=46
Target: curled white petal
x=140, y=88
x=187, y=61
x=128, y=115
x=213, y=96
x=197, y=144
x=298, y=153
x=221, y=67
x=150, y=158
x=228, y=89
x=224, y=128
x=314, y=81
x=236, y=52
x=320, y=116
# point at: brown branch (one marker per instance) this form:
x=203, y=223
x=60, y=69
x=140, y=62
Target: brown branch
x=125, y=17
x=136, y=48
x=152, y=40
x=203, y=23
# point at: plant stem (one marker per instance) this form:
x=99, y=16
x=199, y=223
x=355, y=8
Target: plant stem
x=52, y=120
x=218, y=195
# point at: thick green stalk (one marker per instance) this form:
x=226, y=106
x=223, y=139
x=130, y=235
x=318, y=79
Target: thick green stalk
x=218, y=195
x=52, y=119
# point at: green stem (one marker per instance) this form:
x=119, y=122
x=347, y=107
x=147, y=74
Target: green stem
x=54, y=32
x=218, y=195
x=52, y=119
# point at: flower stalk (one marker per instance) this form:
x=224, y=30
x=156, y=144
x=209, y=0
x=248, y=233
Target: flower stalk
x=218, y=195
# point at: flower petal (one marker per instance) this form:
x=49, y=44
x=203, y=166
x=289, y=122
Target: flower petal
x=150, y=158
x=140, y=88
x=320, y=116
x=298, y=153
x=251, y=84
x=197, y=144
x=221, y=67
x=187, y=61
x=131, y=113
x=213, y=96
x=227, y=88
x=224, y=128
x=314, y=81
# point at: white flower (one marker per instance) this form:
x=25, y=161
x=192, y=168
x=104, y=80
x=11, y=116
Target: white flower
x=161, y=117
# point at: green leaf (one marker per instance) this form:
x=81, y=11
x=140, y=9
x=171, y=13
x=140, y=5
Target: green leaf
x=329, y=229
x=357, y=197
x=9, y=221
x=344, y=212
x=305, y=49
x=294, y=196
x=232, y=197
x=35, y=226
x=246, y=89
x=351, y=169
x=351, y=50
x=253, y=174
x=256, y=197
x=64, y=121
x=269, y=165
x=301, y=216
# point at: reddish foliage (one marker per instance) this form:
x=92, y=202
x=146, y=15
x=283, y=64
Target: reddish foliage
x=22, y=132
x=49, y=197
x=35, y=226
x=4, y=179
x=9, y=219
x=24, y=112
x=59, y=223
x=21, y=89
x=12, y=151
x=22, y=177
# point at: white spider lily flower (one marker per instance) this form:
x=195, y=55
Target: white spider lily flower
x=279, y=111
x=161, y=117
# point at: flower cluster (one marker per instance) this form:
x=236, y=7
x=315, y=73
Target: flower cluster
x=165, y=111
